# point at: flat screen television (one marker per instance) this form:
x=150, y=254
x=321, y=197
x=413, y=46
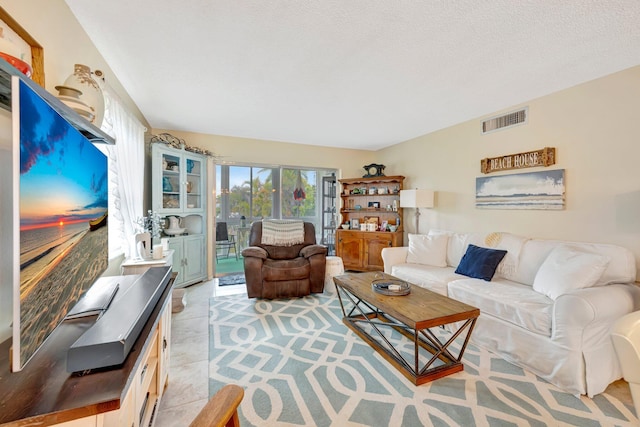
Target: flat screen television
x=60, y=203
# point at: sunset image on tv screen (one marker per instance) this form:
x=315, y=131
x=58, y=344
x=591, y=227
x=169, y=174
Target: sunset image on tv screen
x=63, y=213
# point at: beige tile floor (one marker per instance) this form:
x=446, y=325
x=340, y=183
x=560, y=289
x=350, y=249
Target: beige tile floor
x=188, y=388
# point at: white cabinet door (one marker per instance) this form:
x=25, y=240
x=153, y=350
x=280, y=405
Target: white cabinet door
x=189, y=259
x=194, y=263
x=177, y=245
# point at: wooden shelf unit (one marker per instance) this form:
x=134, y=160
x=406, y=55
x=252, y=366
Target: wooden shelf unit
x=361, y=250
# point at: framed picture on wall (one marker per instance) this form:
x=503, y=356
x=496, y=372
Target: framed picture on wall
x=24, y=48
x=542, y=190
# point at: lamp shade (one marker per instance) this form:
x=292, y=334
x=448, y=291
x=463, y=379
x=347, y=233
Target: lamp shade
x=415, y=198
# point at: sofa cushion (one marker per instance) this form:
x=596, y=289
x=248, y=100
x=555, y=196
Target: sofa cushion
x=456, y=246
x=428, y=250
x=509, y=301
x=433, y=278
x=511, y=243
x=567, y=268
x=480, y=263
x=621, y=267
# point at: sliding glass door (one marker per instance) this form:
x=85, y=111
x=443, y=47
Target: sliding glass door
x=299, y=188
x=243, y=192
x=248, y=193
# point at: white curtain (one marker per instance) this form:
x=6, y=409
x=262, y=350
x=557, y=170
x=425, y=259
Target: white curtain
x=126, y=172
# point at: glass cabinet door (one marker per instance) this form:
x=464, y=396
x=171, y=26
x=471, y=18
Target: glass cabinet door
x=194, y=183
x=171, y=182
x=179, y=181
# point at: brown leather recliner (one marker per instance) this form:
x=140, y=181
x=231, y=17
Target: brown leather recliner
x=284, y=271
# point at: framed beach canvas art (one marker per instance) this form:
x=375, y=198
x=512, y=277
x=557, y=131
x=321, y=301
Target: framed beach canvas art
x=61, y=209
x=532, y=190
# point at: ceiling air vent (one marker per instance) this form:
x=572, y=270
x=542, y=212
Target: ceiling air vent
x=506, y=121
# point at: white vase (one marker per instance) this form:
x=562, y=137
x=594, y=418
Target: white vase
x=71, y=98
x=82, y=80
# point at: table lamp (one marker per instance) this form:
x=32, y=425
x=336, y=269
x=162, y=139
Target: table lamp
x=417, y=199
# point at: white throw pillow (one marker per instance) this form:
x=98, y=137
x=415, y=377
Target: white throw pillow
x=511, y=243
x=428, y=250
x=566, y=269
x=456, y=245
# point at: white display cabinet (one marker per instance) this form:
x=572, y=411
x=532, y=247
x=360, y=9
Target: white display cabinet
x=179, y=190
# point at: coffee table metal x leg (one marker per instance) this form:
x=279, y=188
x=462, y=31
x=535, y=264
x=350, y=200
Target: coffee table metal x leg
x=363, y=314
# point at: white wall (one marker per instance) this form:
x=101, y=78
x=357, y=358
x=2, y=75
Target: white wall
x=232, y=150
x=254, y=151
x=595, y=129
x=65, y=43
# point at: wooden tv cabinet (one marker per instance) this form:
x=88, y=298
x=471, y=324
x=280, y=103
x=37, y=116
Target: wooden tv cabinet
x=45, y=394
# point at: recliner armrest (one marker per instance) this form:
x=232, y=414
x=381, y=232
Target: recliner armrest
x=254, y=251
x=311, y=250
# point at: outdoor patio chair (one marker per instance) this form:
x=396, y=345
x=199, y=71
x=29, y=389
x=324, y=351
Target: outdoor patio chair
x=224, y=241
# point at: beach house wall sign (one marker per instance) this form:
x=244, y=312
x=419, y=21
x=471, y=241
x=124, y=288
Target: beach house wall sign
x=543, y=157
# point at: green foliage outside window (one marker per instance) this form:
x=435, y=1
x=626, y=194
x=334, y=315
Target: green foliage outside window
x=261, y=191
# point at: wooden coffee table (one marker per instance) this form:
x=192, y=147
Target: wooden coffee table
x=368, y=313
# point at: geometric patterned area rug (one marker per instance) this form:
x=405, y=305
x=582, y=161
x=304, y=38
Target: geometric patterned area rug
x=301, y=366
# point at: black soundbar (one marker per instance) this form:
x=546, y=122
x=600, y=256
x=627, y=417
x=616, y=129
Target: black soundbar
x=109, y=340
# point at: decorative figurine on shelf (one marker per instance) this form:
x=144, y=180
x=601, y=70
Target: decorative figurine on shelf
x=373, y=169
x=166, y=184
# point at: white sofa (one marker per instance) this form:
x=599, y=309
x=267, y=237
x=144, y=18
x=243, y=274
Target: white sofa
x=549, y=308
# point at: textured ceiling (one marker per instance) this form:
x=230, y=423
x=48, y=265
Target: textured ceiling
x=351, y=73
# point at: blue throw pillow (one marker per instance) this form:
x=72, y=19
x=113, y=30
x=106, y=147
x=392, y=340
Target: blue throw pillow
x=480, y=263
